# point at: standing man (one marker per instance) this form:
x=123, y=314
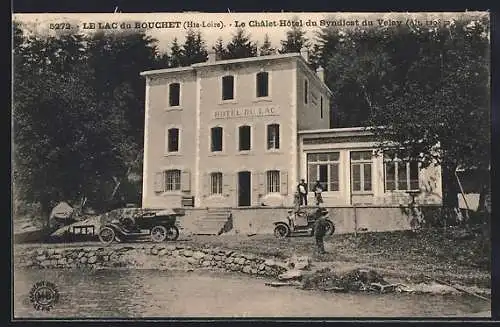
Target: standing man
x=319, y=233
x=318, y=189
x=302, y=189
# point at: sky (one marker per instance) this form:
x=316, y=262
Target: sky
x=168, y=26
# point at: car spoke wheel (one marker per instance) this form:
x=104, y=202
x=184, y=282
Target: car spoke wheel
x=330, y=228
x=281, y=231
x=107, y=235
x=172, y=233
x=158, y=234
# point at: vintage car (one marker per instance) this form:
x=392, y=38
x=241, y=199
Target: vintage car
x=302, y=221
x=159, y=225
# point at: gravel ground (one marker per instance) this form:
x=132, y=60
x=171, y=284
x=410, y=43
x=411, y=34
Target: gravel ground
x=452, y=256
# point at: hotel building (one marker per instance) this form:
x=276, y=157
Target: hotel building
x=243, y=133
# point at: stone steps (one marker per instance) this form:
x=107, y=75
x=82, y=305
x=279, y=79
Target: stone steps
x=213, y=222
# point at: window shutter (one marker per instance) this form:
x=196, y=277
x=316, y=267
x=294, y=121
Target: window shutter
x=185, y=181
x=256, y=190
x=284, y=182
x=227, y=180
x=159, y=182
x=205, y=184
x=262, y=183
x=231, y=180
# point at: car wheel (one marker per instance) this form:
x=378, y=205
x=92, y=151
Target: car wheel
x=281, y=231
x=159, y=234
x=330, y=228
x=172, y=233
x=107, y=235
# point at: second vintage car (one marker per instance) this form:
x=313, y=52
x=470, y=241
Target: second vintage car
x=159, y=226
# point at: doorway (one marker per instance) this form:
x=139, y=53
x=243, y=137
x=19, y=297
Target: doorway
x=244, y=188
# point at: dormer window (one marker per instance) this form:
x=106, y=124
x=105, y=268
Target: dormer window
x=174, y=94
x=228, y=87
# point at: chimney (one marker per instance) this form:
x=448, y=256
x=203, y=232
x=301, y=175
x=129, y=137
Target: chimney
x=321, y=73
x=304, y=52
x=211, y=56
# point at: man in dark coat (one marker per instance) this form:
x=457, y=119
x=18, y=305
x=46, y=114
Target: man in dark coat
x=320, y=227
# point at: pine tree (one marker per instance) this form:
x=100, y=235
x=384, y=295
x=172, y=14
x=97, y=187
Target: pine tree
x=266, y=49
x=241, y=46
x=175, y=54
x=220, y=50
x=295, y=41
x=193, y=50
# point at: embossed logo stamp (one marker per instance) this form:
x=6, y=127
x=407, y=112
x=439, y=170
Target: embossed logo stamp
x=44, y=295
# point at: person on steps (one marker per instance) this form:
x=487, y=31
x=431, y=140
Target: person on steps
x=302, y=189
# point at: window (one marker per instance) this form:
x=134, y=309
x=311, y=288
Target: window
x=323, y=167
x=216, y=183
x=361, y=171
x=227, y=87
x=306, y=91
x=321, y=107
x=174, y=91
x=273, y=181
x=273, y=136
x=400, y=175
x=173, y=140
x=216, y=139
x=172, y=180
x=262, y=83
x=245, y=138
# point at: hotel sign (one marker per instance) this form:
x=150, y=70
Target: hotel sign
x=246, y=112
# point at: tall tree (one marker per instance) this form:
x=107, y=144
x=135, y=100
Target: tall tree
x=266, y=48
x=443, y=100
x=295, y=40
x=359, y=73
x=50, y=110
x=241, y=46
x=194, y=49
x=220, y=49
x=175, y=54
x=78, y=115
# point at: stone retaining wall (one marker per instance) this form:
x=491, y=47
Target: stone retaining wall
x=148, y=257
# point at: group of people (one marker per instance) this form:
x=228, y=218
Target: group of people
x=302, y=192
x=320, y=226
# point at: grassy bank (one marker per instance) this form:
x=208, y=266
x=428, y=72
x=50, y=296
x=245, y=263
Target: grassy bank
x=451, y=255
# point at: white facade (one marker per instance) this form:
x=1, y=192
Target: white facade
x=243, y=132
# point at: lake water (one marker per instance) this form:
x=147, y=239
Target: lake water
x=152, y=293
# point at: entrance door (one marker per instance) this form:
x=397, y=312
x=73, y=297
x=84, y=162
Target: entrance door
x=244, y=188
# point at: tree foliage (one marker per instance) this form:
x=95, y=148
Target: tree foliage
x=194, y=49
x=175, y=57
x=78, y=115
x=240, y=46
x=266, y=48
x=295, y=40
x=425, y=86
